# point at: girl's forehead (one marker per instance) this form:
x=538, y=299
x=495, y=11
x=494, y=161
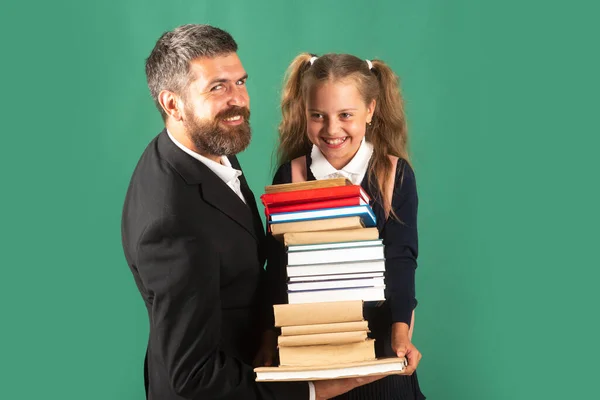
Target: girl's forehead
x=339, y=92
x=332, y=87
x=348, y=81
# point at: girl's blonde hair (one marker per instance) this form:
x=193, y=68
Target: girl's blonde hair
x=387, y=131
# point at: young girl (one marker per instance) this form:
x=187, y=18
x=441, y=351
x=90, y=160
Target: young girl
x=343, y=116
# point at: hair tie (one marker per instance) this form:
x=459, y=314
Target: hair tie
x=312, y=59
x=370, y=64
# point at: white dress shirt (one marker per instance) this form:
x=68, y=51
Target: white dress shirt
x=230, y=176
x=354, y=171
x=224, y=170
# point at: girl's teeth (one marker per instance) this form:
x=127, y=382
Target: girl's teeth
x=334, y=141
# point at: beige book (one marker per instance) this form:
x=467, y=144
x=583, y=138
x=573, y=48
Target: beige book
x=382, y=366
x=327, y=224
x=318, y=313
x=307, y=185
x=322, y=338
x=325, y=328
x=327, y=354
x=336, y=236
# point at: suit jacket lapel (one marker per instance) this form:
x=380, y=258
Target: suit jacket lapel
x=216, y=192
x=212, y=189
x=250, y=200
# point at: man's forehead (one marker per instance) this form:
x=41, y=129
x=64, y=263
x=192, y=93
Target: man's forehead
x=227, y=66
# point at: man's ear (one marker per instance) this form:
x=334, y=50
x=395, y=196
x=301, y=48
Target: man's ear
x=171, y=103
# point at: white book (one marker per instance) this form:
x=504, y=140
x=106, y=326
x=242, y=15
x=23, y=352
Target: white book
x=385, y=366
x=323, y=296
x=336, y=255
x=337, y=284
x=365, y=211
x=335, y=277
x=336, y=268
x=326, y=246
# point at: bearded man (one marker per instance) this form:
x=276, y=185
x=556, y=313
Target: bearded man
x=192, y=234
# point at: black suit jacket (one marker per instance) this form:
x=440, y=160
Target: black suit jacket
x=196, y=252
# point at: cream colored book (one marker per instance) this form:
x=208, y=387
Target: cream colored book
x=327, y=354
x=322, y=338
x=327, y=224
x=321, y=313
x=335, y=236
x=383, y=366
x=307, y=185
x=325, y=328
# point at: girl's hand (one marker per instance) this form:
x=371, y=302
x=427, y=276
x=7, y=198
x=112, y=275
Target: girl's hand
x=404, y=348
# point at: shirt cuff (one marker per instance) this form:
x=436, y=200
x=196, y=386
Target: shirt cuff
x=312, y=395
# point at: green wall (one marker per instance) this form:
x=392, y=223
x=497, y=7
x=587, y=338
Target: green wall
x=501, y=99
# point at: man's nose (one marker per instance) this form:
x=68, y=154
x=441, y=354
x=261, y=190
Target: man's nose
x=239, y=97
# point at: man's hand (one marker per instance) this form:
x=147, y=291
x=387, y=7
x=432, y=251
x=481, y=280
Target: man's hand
x=404, y=348
x=267, y=353
x=334, y=387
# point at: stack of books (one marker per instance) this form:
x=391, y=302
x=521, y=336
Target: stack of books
x=333, y=248
x=335, y=263
x=324, y=341
x=321, y=334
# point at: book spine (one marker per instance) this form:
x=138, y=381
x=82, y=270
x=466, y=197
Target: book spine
x=316, y=205
x=322, y=339
x=324, y=328
x=322, y=313
x=311, y=195
x=327, y=354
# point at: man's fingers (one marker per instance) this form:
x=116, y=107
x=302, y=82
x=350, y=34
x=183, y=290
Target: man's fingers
x=335, y=387
x=363, y=380
x=263, y=359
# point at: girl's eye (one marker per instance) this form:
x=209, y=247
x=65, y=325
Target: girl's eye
x=346, y=115
x=317, y=115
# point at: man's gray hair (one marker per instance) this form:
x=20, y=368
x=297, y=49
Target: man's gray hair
x=168, y=66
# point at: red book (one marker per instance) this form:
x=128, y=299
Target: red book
x=313, y=195
x=317, y=205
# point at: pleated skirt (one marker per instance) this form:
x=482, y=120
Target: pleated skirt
x=394, y=387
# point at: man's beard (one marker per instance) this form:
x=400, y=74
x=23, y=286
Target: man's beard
x=212, y=138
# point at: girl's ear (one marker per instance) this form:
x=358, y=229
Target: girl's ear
x=371, y=110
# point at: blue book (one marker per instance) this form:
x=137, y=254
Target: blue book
x=364, y=212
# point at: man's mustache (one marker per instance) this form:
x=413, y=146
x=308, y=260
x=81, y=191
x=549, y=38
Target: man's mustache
x=234, y=111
